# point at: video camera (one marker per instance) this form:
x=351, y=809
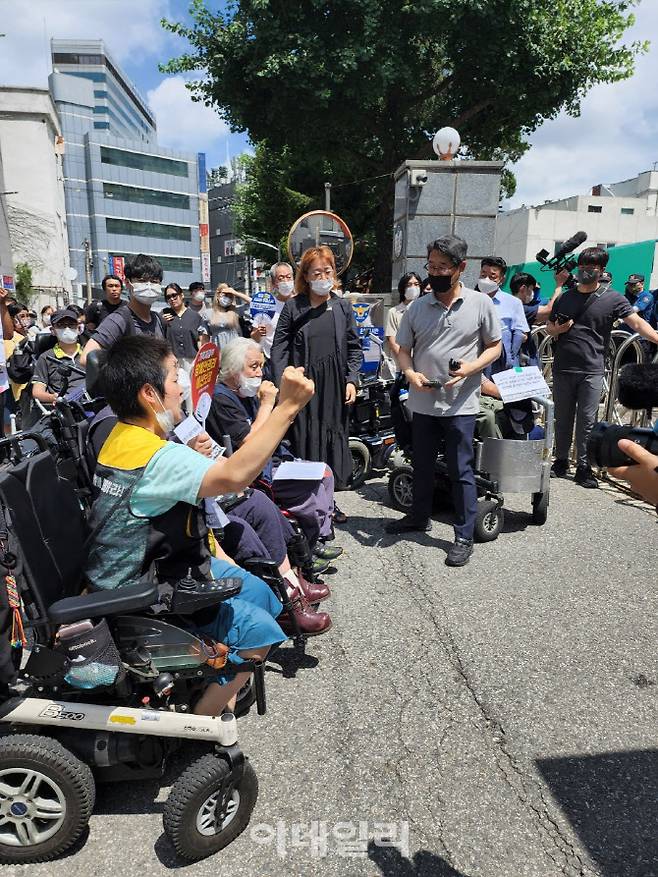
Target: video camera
x=560, y=261
x=638, y=389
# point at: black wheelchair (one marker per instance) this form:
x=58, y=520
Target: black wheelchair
x=371, y=433
x=59, y=734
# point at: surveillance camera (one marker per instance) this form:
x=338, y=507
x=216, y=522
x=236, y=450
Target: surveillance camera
x=418, y=177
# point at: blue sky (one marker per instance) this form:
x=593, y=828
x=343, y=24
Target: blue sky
x=615, y=137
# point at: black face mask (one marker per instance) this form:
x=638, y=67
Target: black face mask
x=588, y=275
x=440, y=282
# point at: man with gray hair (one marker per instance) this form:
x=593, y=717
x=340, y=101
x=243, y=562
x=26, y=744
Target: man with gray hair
x=266, y=307
x=446, y=339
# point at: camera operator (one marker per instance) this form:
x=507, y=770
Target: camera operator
x=643, y=477
x=581, y=321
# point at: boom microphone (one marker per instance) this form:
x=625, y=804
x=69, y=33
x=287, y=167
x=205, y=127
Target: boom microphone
x=638, y=386
x=570, y=245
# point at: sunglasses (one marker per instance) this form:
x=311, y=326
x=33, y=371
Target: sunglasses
x=172, y=297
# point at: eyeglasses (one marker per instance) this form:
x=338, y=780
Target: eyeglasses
x=438, y=269
x=320, y=273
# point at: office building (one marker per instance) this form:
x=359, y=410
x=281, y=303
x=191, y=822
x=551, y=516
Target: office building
x=228, y=264
x=125, y=193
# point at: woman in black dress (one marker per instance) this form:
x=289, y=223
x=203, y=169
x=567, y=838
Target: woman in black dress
x=316, y=329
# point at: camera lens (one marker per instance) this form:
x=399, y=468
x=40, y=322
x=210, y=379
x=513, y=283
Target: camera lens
x=602, y=448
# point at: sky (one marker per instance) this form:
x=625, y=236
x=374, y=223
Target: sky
x=615, y=137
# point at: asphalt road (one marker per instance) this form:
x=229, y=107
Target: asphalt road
x=505, y=713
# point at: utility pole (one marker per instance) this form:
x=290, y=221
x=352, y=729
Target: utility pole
x=89, y=264
x=327, y=197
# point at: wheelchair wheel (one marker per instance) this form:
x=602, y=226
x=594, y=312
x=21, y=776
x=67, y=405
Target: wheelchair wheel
x=400, y=488
x=361, y=462
x=539, y=508
x=46, y=798
x=489, y=521
x=191, y=818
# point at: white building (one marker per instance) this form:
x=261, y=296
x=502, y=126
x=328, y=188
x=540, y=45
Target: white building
x=622, y=213
x=32, y=171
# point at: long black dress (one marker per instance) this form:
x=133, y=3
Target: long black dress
x=324, y=340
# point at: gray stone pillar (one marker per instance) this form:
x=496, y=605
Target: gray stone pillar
x=458, y=197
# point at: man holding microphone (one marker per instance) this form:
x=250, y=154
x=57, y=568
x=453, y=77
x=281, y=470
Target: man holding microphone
x=446, y=339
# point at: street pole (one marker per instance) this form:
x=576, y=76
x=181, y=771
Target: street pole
x=327, y=197
x=88, y=267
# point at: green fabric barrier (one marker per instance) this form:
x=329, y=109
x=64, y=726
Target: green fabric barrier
x=624, y=260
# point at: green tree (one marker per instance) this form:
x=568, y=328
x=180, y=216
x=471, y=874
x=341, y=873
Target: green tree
x=24, y=291
x=345, y=90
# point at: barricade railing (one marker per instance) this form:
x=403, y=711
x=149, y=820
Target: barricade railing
x=610, y=413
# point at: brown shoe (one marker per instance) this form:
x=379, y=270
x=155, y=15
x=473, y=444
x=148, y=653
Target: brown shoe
x=314, y=592
x=310, y=622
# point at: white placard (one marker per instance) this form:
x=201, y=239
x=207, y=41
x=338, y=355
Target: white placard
x=203, y=407
x=189, y=428
x=521, y=383
x=299, y=470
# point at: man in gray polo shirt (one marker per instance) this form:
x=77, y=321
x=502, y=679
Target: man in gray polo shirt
x=456, y=324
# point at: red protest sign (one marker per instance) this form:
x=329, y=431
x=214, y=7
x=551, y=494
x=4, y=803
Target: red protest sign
x=203, y=377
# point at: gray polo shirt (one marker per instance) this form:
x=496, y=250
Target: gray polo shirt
x=436, y=334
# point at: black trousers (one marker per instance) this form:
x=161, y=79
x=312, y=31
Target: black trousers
x=457, y=431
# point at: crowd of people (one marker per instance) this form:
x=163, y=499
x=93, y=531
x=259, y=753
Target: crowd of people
x=285, y=387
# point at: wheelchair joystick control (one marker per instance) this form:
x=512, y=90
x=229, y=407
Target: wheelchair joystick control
x=187, y=583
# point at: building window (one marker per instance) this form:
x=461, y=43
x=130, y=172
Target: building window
x=594, y=208
x=142, y=162
x=103, y=126
x=169, y=263
x=627, y=211
x=136, y=228
x=146, y=196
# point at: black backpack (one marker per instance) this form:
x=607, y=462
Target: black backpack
x=20, y=365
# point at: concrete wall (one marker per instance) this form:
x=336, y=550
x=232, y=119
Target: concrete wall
x=6, y=261
x=460, y=197
x=36, y=213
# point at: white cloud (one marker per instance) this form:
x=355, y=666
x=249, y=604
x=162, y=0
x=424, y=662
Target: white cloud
x=129, y=27
x=182, y=122
x=614, y=138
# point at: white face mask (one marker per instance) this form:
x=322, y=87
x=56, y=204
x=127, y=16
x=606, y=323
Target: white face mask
x=67, y=336
x=199, y=296
x=146, y=293
x=165, y=418
x=322, y=287
x=487, y=286
x=46, y=320
x=225, y=301
x=411, y=293
x=249, y=386
x=285, y=288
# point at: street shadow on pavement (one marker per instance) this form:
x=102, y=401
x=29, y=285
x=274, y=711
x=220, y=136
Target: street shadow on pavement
x=289, y=660
x=392, y=863
x=121, y=799
x=610, y=800
x=369, y=532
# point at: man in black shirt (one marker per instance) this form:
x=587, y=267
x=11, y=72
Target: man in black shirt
x=184, y=327
x=144, y=281
x=98, y=310
x=581, y=321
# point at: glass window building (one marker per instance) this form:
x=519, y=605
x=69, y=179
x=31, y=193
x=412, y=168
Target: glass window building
x=124, y=192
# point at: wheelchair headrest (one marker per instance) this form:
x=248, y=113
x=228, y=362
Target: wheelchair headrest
x=43, y=341
x=94, y=366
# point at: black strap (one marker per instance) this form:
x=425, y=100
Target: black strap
x=593, y=296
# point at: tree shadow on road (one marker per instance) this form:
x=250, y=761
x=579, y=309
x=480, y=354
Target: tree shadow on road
x=392, y=863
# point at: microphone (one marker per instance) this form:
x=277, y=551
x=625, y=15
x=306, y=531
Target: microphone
x=570, y=245
x=638, y=386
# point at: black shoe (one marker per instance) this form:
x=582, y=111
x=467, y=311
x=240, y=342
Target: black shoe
x=585, y=477
x=339, y=516
x=327, y=553
x=407, y=524
x=559, y=469
x=459, y=552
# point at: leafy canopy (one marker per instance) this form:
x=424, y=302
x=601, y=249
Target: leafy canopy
x=342, y=90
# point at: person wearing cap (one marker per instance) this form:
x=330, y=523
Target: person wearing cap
x=48, y=380
x=639, y=298
x=447, y=337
